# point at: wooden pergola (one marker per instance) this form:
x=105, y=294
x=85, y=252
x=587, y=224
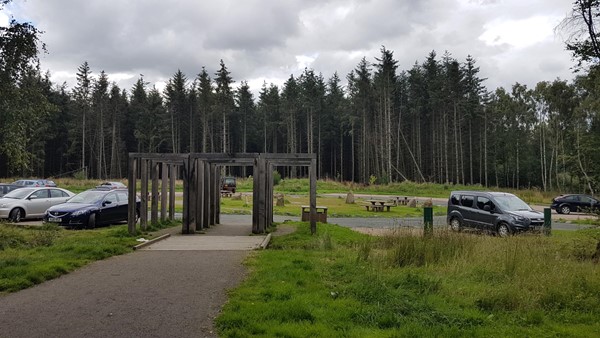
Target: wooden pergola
x=200, y=173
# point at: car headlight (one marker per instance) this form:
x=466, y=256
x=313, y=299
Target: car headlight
x=520, y=219
x=79, y=212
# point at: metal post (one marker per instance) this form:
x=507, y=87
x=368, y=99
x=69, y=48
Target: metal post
x=163, y=192
x=154, y=194
x=144, y=197
x=547, y=221
x=428, y=221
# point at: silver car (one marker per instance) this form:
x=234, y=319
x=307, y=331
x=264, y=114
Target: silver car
x=31, y=202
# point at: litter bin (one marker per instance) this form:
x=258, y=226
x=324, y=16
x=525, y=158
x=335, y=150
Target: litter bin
x=321, y=214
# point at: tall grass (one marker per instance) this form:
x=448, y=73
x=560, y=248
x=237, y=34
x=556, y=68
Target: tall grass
x=402, y=285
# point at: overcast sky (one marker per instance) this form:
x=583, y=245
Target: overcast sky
x=511, y=40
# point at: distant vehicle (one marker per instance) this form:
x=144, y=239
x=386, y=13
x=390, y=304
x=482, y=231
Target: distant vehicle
x=565, y=204
x=35, y=183
x=92, y=208
x=6, y=188
x=111, y=185
x=26, y=202
x=498, y=212
x=228, y=183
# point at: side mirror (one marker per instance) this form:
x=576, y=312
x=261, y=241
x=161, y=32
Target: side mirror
x=32, y=198
x=487, y=208
x=106, y=202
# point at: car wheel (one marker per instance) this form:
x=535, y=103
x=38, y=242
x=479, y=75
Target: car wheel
x=137, y=216
x=16, y=215
x=455, y=224
x=503, y=230
x=91, y=222
x=565, y=209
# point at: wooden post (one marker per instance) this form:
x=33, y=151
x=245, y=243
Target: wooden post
x=262, y=202
x=193, y=192
x=200, y=195
x=163, y=192
x=144, y=197
x=132, y=203
x=313, y=196
x=186, y=197
x=172, y=178
x=269, y=194
x=214, y=195
x=255, y=193
x=218, y=194
x=206, y=202
x=154, y=204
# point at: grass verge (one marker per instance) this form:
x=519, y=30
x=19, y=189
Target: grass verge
x=30, y=256
x=343, y=284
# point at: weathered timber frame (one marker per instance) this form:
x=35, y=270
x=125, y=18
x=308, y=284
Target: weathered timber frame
x=201, y=187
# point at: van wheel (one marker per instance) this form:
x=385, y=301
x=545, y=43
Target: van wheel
x=565, y=209
x=455, y=224
x=503, y=230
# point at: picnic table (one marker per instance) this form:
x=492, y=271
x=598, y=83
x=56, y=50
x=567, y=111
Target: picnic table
x=378, y=205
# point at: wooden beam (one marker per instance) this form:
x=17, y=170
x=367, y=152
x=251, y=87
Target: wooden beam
x=313, y=197
x=200, y=183
x=207, y=196
x=154, y=197
x=163, y=191
x=144, y=193
x=185, y=225
x=172, y=179
x=131, y=182
x=255, y=194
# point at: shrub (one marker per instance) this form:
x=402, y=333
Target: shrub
x=10, y=237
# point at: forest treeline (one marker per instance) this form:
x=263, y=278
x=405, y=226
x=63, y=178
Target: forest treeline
x=432, y=122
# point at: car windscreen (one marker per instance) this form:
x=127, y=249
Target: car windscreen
x=229, y=181
x=18, y=193
x=88, y=197
x=511, y=203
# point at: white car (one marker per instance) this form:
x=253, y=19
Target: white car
x=31, y=202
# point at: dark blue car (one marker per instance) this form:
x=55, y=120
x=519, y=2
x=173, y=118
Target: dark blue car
x=91, y=208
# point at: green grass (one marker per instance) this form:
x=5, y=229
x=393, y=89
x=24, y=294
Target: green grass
x=30, y=256
x=336, y=207
x=340, y=283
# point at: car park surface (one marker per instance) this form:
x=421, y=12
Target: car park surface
x=565, y=204
x=91, y=208
x=27, y=203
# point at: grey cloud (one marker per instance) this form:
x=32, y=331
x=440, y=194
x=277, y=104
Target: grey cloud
x=259, y=39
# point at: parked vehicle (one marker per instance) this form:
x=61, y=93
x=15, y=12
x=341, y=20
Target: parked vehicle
x=498, y=212
x=35, y=183
x=6, y=188
x=92, y=208
x=112, y=185
x=25, y=202
x=228, y=183
x=565, y=204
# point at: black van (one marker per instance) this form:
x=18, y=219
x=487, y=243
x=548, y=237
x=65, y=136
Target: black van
x=498, y=212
